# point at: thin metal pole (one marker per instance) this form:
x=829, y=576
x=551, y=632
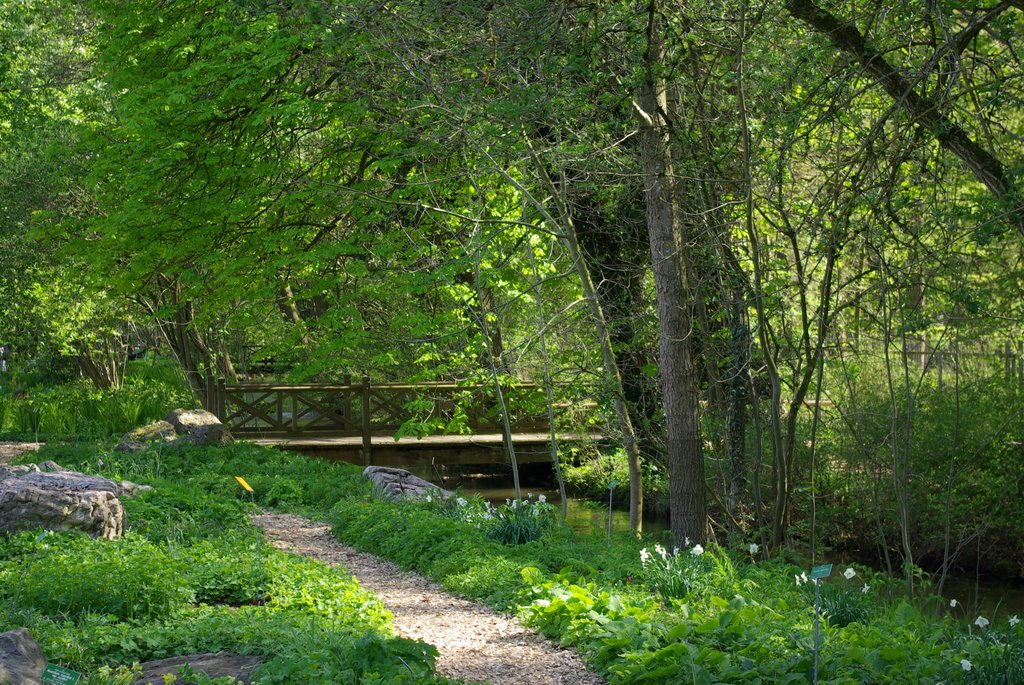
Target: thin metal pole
x=817, y=604
x=611, y=490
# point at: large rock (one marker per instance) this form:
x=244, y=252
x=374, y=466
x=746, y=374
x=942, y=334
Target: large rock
x=400, y=484
x=140, y=438
x=198, y=427
x=18, y=470
x=181, y=427
x=62, y=500
x=21, y=660
x=212, y=665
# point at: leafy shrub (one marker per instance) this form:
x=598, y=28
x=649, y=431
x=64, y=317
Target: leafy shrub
x=841, y=607
x=127, y=578
x=684, y=572
x=229, y=569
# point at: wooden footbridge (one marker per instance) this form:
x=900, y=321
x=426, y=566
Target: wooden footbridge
x=393, y=423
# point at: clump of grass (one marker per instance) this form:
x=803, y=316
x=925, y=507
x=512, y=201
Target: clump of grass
x=520, y=521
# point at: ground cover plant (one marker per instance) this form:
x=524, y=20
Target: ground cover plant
x=192, y=575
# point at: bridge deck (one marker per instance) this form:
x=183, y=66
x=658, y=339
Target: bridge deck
x=439, y=449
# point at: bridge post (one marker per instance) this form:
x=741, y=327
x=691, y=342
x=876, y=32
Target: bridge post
x=346, y=407
x=210, y=390
x=222, y=391
x=365, y=420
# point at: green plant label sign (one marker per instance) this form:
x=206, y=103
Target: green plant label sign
x=55, y=675
x=822, y=571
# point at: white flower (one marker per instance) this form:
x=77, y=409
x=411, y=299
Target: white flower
x=542, y=498
x=865, y=588
x=965, y=664
x=429, y=499
x=981, y=621
x=645, y=556
x=753, y=548
x=697, y=550
x=801, y=579
x=460, y=501
x=952, y=604
x=661, y=550
x=1014, y=620
x=686, y=542
x=849, y=573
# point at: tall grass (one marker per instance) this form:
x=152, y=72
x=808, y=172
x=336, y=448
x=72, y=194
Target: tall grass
x=77, y=410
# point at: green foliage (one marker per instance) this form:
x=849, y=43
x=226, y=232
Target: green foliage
x=227, y=569
x=994, y=658
x=194, y=576
x=841, y=607
x=520, y=521
x=78, y=410
x=593, y=474
x=686, y=572
x=129, y=578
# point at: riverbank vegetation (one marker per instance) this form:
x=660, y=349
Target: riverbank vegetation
x=195, y=576
x=770, y=253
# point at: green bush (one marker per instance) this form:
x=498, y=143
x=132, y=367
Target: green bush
x=520, y=521
x=228, y=569
x=128, y=578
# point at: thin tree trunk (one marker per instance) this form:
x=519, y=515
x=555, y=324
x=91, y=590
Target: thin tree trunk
x=548, y=393
x=610, y=368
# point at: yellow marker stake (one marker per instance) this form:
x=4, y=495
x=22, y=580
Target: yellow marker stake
x=241, y=481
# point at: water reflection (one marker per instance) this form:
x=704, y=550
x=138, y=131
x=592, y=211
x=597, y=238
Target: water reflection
x=583, y=515
x=995, y=601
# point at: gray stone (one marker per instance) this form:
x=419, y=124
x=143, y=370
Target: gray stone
x=198, y=427
x=19, y=470
x=216, y=665
x=62, y=500
x=126, y=488
x=201, y=436
x=142, y=437
x=21, y=660
x=400, y=484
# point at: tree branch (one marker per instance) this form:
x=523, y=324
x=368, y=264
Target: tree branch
x=986, y=167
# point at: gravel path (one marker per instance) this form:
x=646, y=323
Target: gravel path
x=10, y=450
x=474, y=643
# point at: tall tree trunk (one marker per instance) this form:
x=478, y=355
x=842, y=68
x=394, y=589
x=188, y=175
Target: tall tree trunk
x=679, y=380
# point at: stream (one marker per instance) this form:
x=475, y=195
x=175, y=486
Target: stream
x=995, y=600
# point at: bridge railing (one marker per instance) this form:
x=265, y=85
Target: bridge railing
x=364, y=409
